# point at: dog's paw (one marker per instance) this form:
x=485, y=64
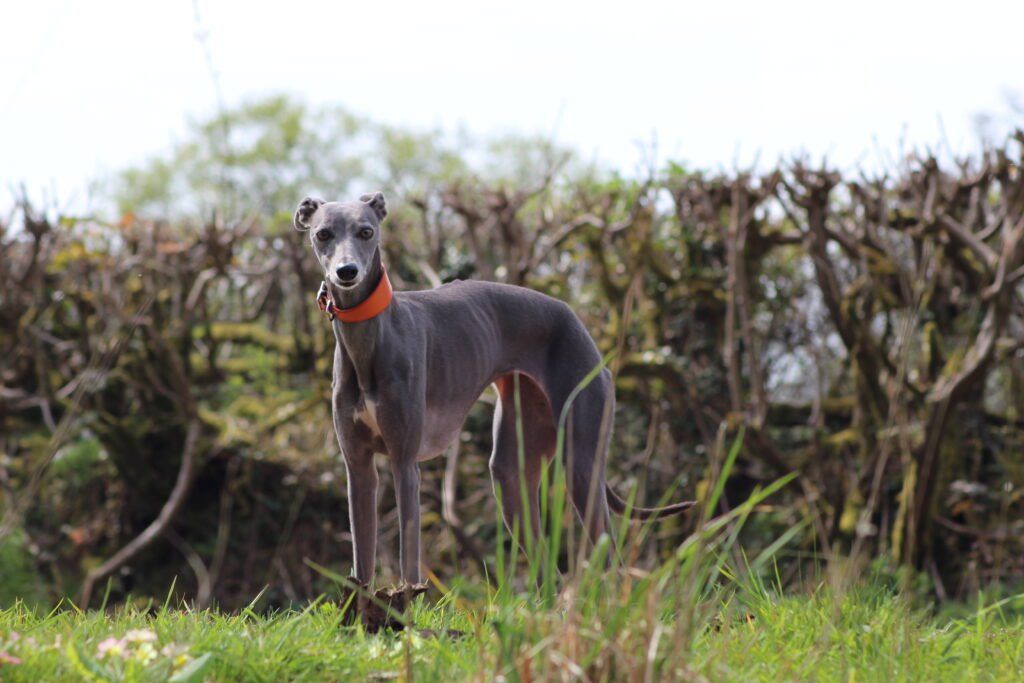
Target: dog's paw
x=381, y=609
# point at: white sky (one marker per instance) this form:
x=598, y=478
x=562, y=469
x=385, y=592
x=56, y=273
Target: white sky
x=88, y=87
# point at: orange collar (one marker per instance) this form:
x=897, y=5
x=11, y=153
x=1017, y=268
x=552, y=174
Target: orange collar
x=370, y=307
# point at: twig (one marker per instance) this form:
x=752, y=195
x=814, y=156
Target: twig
x=159, y=526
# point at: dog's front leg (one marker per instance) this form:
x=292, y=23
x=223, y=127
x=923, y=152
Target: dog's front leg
x=362, y=511
x=407, y=491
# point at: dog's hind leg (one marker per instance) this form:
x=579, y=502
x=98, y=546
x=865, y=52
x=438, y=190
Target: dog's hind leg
x=516, y=468
x=588, y=431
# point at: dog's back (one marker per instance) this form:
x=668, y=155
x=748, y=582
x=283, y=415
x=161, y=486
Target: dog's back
x=520, y=322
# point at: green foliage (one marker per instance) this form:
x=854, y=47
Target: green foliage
x=263, y=156
x=256, y=158
x=79, y=462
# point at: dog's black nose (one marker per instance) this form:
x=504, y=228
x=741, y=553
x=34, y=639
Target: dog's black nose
x=347, y=272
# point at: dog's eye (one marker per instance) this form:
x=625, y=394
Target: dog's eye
x=365, y=233
x=323, y=235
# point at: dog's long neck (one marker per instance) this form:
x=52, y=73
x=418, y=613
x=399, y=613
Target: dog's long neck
x=358, y=341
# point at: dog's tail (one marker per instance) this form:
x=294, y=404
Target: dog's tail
x=618, y=506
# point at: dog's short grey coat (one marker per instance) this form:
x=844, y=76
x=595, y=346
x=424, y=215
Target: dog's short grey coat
x=405, y=380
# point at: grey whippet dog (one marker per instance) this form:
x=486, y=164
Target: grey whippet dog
x=407, y=370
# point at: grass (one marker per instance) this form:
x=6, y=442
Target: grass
x=867, y=633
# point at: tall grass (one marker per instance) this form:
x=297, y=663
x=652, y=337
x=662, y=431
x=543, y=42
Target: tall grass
x=585, y=612
x=603, y=618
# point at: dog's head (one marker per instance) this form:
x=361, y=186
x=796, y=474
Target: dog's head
x=345, y=235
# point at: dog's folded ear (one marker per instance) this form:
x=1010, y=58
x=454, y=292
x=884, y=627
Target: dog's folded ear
x=376, y=202
x=304, y=214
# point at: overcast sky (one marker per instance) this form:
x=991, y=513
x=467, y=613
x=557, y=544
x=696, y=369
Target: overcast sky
x=88, y=87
